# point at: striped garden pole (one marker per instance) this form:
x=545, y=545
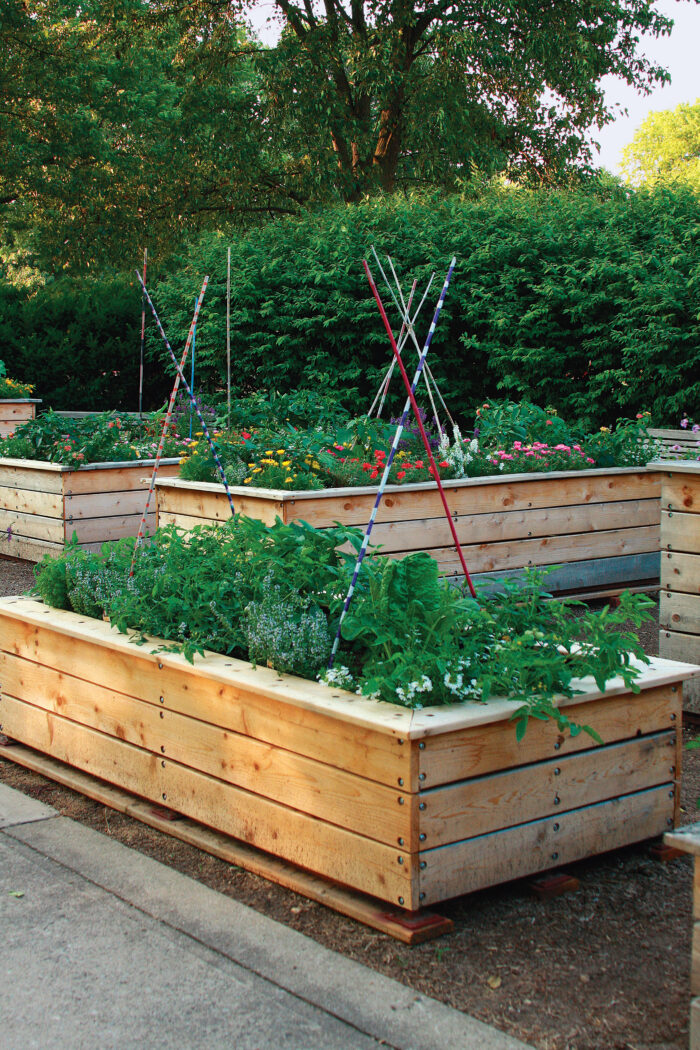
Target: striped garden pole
x=193, y=399
x=384, y=387
x=143, y=333
x=410, y=388
x=392, y=452
x=159, y=453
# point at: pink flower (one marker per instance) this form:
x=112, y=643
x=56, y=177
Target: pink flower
x=548, y=423
x=684, y=423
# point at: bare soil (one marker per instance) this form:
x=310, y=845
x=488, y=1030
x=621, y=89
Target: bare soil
x=604, y=968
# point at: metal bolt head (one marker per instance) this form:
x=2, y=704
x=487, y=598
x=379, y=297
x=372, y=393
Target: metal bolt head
x=163, y=763
x=400, y=781
x=555, y=855
x=162, y=699
x=164, y=796
x=422, y=836
x=400, y=900
x=557, y=800
x=556, y=827
x=421, y=746
x=400, y=740
x=557, y=771
x=423, y=865
x=421, y=776
x=421, y=805
x=557, y=745
x=401, y=800
x=421, y=896
x=400, y=860
x=400, y=842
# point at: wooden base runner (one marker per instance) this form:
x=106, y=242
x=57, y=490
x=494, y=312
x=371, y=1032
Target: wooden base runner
x=409, y=927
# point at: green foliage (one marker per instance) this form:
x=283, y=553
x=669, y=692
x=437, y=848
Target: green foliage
x=275, y=594
x=665, y=149
x=101, y=438
x=582, y=301
x=77, y=341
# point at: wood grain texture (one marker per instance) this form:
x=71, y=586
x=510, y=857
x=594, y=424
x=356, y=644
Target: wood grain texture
x=338, y=795
x=543, y=844
x=349, y=858
x=680, y=532
x=679, y=611
x=517, y=796
x=680, y=572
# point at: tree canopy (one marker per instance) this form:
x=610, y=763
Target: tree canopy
x=128, y=122
x=666, y=148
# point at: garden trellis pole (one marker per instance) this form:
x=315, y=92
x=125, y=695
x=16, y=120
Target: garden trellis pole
x=410, y=402
x=428, y=371
x=168, y=414
x=228, y=337
x=403, y=313
x=403, y=336
x=410, y=388
x=193, y=400
x=194, y=344
x=143, y=333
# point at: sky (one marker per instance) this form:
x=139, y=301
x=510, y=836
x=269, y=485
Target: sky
x=679, y=54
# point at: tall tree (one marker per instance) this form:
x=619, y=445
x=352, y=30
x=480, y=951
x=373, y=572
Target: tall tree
x=666, y=148
x=423, y=90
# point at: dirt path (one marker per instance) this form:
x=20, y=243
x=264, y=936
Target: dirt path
x=604, y=968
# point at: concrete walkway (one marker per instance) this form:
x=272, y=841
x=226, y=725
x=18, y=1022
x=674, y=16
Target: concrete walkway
x=103, y=947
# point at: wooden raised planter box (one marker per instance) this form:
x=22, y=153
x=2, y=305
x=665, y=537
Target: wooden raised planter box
x=679, y=603
x=42, y=504
x=411, y=807
x=16, y=411
x=687, y=840
x=600, y=526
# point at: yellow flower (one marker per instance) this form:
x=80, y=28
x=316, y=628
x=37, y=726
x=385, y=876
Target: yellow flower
x=268, y=452
x=246, y=481
x=605, y=430
x=251, y=464
x=198, y=433
x=288, y=481
x=316, y=465
x=281, y=451
x=286, y=462
x=269, y=462
x=258, y=470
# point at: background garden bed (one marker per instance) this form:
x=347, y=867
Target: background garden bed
x=600, y=526
x=13, y=413
x=42, y=504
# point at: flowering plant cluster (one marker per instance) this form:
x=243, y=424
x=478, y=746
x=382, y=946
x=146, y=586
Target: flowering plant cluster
x=101, y=438
x=508, y=438
x=274, y=594
x=12, y=388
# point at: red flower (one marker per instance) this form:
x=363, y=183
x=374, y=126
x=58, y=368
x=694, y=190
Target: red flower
x=419, y=464
x=401, y=475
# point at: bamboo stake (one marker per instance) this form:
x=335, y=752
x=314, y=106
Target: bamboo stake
x=194, y=403
x=410, y=402
x=228, y=337
x=143, y=333
x=168, y=414
x=410, y=388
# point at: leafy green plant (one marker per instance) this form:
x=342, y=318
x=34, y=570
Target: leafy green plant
x=275, y=593
x=100, y=438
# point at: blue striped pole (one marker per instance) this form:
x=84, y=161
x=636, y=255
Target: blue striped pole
x=193, y=399
x=392, y=452
x=166, y=424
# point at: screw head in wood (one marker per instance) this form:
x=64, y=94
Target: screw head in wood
x=423, y=865
x=400, y=842
x=421, y=805
x=399, y=860
x=401, y=801
x=557, y=745
x=555, y=855
x=400, y=900
x=400, y=781
x=164, y=796
x=421, y=896
x=422, y=836
x=421, y=746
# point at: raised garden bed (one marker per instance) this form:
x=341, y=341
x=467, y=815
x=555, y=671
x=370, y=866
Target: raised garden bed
x=14, y=412
x=42, y=504
x=411, y=807
x=679, y=605
x=687, y=840
x=601, y=526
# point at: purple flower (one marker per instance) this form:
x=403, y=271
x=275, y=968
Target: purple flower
x=684, y=423
x=696, y=427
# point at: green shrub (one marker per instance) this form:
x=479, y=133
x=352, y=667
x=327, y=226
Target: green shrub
x=78, y=342
x=572, y=299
